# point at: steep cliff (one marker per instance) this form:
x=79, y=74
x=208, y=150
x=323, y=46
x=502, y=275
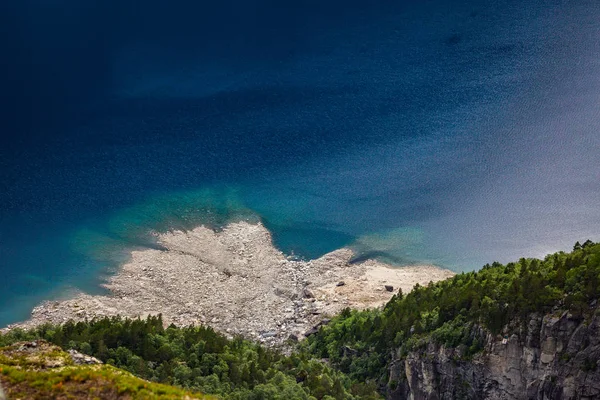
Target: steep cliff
x=554, y=356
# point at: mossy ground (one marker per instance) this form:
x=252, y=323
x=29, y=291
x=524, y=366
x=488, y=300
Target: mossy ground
x=49, y=373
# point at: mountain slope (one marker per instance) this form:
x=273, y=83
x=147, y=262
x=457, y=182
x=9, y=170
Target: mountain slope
x=524, y=330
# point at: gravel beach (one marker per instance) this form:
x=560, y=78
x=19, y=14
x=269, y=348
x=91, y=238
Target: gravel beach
x=236, y=281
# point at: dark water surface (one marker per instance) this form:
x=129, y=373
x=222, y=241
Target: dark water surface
x=453, y=133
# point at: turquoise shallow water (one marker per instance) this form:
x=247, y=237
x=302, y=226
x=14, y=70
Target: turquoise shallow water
x=437, y=132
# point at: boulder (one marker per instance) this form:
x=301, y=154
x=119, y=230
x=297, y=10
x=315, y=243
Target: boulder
x=311, y=331
x=389, y=288
x=83, y=359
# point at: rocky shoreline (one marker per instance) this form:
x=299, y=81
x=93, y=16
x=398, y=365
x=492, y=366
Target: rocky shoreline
x=237, y=282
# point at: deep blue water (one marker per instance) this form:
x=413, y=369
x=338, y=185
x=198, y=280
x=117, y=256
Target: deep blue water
x=454, y=133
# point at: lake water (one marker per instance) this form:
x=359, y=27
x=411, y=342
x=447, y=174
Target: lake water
x=451, y=133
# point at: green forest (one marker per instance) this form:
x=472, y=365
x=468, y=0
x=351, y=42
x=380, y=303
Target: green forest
x=200, y=359
x=349, y=357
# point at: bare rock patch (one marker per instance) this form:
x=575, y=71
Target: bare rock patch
x=236, y=281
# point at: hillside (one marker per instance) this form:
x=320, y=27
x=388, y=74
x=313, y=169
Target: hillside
x=528, y=329
x=524, y=330
x=40, y=370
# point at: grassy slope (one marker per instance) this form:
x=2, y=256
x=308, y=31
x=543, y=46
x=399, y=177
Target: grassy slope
x=47, y=372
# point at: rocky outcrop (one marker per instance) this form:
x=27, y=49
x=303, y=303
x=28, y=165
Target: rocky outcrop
x=82, y=359
x=554, y=357
x=46, y=355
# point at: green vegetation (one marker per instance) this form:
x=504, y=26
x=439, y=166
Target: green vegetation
x=453, y=312
x=49, y=373
x=199, y=359
x=348, y=358
x=78, y=382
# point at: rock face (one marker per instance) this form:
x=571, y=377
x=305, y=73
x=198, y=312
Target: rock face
x=555, y=357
